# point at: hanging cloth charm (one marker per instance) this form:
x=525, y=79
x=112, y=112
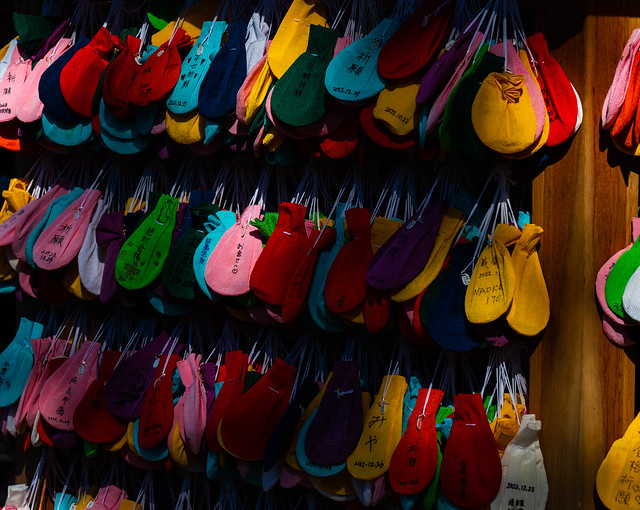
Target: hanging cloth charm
x=336, y=429
x=492, y=285
x=298, y=97
x=471, y=471
x=290, y=41
x=415, y=459
x=143, y=254
x=382, y=431
x=184, y=97
x=61, y=241
x=416, y=42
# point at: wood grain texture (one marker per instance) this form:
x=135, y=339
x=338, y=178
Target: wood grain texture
x=582, y=386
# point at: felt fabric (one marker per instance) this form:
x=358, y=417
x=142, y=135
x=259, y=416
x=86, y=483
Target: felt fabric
x=490, y=291
x=245, y=89
x=228, y=70
x=49, y=85
x=618, y=278
x=126, y=387
x=15, y=197
x=502, y=115
x=376, y=310
x=286, y=427
x=64, y=390
x=143, y=254
x=91, y=257
x=561, y=103
x=55, y=209
x=92, y=419
x=6, y=54
x=236, y=370
x=256, y=40
x=178, y=274
x=516, y=65
x=290, y=41
x=118, y=77
x=352, y=75
x=382, y=431
x=56, y=358
x=113, y=129
x=159, y=73
x=80, y=75
x=345, y=286
x=231, y=262
x=267, y=400
x=216, y=225
x=73, y=284
x=311, y=468
x=13, y=86
x=618, y=89
x=192, y=411
x=64, y=133
x=184, y=97
x=440, y=73
x=289, y=241
x=471, y=471
x=530, y=308
x=415, y=459
x=318, y=310
x=15, y=228
x=110, y=237
x=617, y=467
x=61, y=240
x=417, y=41
x=156, y=417
x=406, y=252
x=458, y=109
x=16, y=361
x=396, y=106
x=295, y=299
x=336, y=429
x=440, y=309
x=298, y=96
x=291, y=456
x=186, y=128
x=338, y=487
x=623, y=126
x=261, y=87
x=451, y=224
x=523, y=466
x=40, y=348
x=375, y=130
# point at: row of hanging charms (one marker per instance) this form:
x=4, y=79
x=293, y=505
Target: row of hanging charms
x=221, y=245
x=379, y=295
x=269, y=417
x=325, y=81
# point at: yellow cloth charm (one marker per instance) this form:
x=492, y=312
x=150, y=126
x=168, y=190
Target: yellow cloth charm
x=185, y=128
x=292, y=36
x=490, y=291
x=396, y=106
x=502, y=114
x=530, y=308
x=382, y=431
x=615, y=481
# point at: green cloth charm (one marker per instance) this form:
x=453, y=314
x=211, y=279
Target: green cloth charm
x=141, y=258
x=298, y=98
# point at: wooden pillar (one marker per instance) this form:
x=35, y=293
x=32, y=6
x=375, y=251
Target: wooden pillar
x=583, y=386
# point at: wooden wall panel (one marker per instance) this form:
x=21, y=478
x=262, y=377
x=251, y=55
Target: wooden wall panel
x=582, y=386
